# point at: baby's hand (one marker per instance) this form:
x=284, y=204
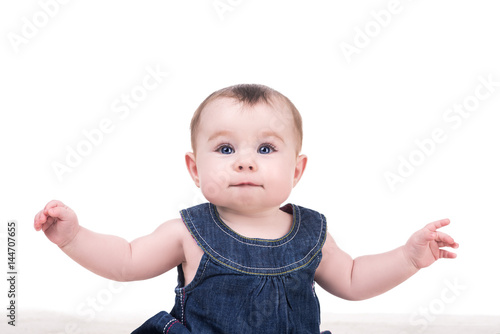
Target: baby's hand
x=424, y=246
x=58, y=222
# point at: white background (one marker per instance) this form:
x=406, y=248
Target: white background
x=361, y=113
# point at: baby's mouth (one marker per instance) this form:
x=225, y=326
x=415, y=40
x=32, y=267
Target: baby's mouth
x=246, y=184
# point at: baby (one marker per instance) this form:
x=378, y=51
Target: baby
x=246, y=264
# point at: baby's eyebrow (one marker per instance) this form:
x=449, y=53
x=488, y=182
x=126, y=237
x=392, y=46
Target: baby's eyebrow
x=220, y=133
x=271, y=134
x=228, y=133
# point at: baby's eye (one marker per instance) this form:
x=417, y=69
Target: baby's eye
x=266, y=149
x=225, y=149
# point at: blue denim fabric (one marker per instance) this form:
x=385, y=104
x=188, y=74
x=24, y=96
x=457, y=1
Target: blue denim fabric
x=247, y=285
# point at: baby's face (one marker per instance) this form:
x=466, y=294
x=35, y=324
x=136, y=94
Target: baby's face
x=246, y=157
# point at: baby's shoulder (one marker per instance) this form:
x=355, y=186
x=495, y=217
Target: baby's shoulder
x=173, y=229
x=175, y=232
x=173, y=225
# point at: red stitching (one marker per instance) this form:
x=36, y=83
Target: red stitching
x=173, y=323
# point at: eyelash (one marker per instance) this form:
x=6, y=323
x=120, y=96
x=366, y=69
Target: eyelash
x=273, y=148
x=220, y=146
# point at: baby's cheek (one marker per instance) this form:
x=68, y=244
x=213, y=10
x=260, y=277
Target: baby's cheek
x=211, y=189
x=280, y=183
x=213, y=182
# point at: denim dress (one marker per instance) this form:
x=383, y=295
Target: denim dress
x=247, y=285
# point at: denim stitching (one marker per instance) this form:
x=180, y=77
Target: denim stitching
x=253, y=268
x=267, y=274
x=257, y=268
x=255, y=239
x=197, y=278
x=204, y=267
x=277, y=268
x=183, y=298
x=219, y=220
x=262, y=246
x=171, y=323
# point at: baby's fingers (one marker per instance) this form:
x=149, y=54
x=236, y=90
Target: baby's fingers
x=59, y=211
x=53, y=211
x=444, y=240
x=43, y=222
x=427, y=234
x=437, y=224
x=51, y=205
x=40, y=219
x=444, y=254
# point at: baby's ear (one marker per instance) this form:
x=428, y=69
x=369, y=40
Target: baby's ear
x=300, y=166
x=192, y=169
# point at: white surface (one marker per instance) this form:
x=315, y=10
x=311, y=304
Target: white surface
x=51, y=323
x=359, y=118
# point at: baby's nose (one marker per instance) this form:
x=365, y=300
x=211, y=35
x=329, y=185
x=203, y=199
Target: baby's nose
x=242, y=167
x=245, y=162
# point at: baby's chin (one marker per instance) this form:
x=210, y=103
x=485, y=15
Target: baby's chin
x=246, y=199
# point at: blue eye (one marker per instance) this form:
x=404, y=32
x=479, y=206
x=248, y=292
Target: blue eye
x=266, y=149
x=225, y=149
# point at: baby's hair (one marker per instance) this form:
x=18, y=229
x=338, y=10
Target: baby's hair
x=250, y=95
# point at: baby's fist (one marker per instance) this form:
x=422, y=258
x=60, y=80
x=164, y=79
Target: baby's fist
x=58, y=222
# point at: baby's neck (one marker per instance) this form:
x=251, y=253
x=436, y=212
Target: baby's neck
x=266, y=224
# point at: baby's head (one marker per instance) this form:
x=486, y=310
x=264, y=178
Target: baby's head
x=246, y=142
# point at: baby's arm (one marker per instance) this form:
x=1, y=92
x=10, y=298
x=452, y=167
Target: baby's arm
x=109, y=256
x=371, y=275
